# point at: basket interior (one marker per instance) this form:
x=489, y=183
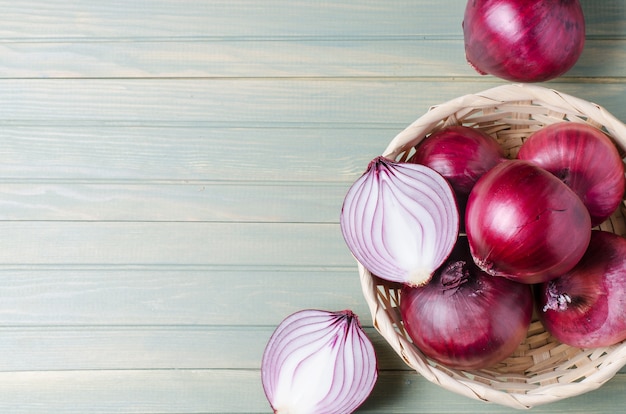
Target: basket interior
x=540, y=362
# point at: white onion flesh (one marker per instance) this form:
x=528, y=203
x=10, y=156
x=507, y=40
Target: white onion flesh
x=400, y=220
x=318, y=362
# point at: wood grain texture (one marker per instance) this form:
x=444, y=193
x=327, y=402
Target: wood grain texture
x=155, y=295
x=288, y=58
x=171, y=177
x=211, y=391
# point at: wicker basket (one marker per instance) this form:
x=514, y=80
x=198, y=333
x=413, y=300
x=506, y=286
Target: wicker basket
x=542, y=370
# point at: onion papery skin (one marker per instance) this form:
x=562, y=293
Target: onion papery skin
x=523, y=40
x=400, y=220
x=586, y=307
x=525, y=224
x=318, y=362
x=461, y=155
x=465, y=318
x=585, y=159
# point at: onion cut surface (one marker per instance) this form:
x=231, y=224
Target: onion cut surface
x=318, y=362
x=400, y=220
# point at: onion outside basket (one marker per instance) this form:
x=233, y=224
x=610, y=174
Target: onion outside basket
x=541, y=370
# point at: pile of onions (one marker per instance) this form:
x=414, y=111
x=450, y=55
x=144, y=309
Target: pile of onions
x=523, y=40
x=465, y=318
x=466, y=299
x=318, y=362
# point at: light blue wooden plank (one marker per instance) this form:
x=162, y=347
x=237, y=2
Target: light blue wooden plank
x=298, y=103
x=237, y=58
x=197, y=201
x=107, y=296
x=90, y=20
x=255, y=295
x=188, y=155
x=272, y=58
x=173, y=243
x=87, y=20
x=148, y=347
x=131, y=391
x=240, y=391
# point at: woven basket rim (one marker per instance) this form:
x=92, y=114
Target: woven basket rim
x=447, y=113
x=500, y=95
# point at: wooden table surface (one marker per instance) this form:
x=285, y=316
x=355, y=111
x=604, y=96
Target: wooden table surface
x=171, y=176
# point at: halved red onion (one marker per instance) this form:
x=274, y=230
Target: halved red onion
x=400, y=220
x=525, y=224
x=318, y=362
x=585, y=159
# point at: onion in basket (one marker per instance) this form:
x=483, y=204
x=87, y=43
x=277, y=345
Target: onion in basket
x=400, y=220
x=586, y=307
x=465, y=318
x=585, y=159
x=525, y=224
x=461, y=154
x=542, y=370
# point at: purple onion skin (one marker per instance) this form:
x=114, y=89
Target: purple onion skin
x=465, y=318
x=586, y=306
x=525, y=224
x=585, y=159
x=460, y=154
x=523, y=40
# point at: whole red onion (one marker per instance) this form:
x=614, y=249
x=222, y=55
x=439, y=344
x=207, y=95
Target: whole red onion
x=525, y=224
x=585, y=307
x=585, y=159
x=465, y=318
x=459, y=153
x=523, y=40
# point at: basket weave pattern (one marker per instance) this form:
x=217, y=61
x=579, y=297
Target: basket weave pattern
x=542, y=370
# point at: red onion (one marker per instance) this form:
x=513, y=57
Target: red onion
x=460, y=153
x=585, y=159
x=586, y=306
x=525, y=224
x=318, y=362
x=465, y=318
x=400, y=220
x=523, y=40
